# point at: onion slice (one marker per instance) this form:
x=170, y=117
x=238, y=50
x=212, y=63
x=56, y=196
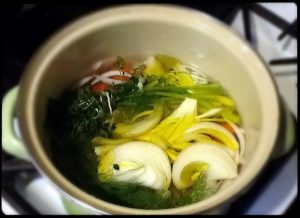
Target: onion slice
x=210, y=113
x=105, y=77
x=140, y=127
x=138, y=162
x=241, y=139
x=220, y=164
x=114, y=73
x=216, y=131
x=107, y=80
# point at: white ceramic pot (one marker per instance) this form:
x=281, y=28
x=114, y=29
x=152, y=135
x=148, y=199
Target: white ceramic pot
x=190, y=35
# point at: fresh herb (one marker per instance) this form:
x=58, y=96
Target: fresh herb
x=120, y=62
x=119, y=91
x=138, y=196
x=69, y=143
x=116, y=166
x=139, y=71
x=199, y=191
x=87, y=114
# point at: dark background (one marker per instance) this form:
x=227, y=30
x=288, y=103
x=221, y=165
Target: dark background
x=25, y=27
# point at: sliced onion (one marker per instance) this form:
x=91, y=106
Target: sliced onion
x=220, y=164
x=104, y=149
x=114, y=73
x=241, y=139
x=210, y=113
x=217, y=131
x=142, y=114
x=141, y=162
x=105, y=77
x=187, y=107
x=140, y=127
x=99, y=141
x=83, y=81
x=96, y=65
x=155, y=139
x=107, y=80
x=234, y=154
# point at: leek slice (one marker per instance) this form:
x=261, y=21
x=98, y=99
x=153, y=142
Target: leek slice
x=153, y=67
x=172, y=154
x=98, y=141
x=131, y=130
x=155, y=139
x=173, y=126
x=167, y=61
x=176, y=124
x=179, y=79
x=103, y=150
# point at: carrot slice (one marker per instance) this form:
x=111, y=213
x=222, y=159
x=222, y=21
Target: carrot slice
x=228, y=127
x=121, y=78
x=99, y=87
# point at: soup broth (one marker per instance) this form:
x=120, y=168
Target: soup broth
x=146, y=131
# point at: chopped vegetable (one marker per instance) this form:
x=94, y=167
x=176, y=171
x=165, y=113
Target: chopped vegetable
x=129, y=132
x=99, y=87
x=173, y=126
x=153, y=67
x=228, y=127
x=240, y=135
x=107, y=141
x=202, y=157
x=211, y=113
x=140, y=162
x=217, y=131
x=137, y=128
x=167, y=61
x=121, y=78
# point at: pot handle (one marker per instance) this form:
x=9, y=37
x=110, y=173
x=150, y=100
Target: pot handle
x=11, y=143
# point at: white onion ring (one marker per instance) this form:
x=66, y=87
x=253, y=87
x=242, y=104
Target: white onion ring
x=107, y=80
x=210, y=113
x=241, y=139
x=96, y=65
x=115, y=73
x=105, y=77
x=82, y=81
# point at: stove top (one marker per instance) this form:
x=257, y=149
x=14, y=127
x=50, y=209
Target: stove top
x=270, y=28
